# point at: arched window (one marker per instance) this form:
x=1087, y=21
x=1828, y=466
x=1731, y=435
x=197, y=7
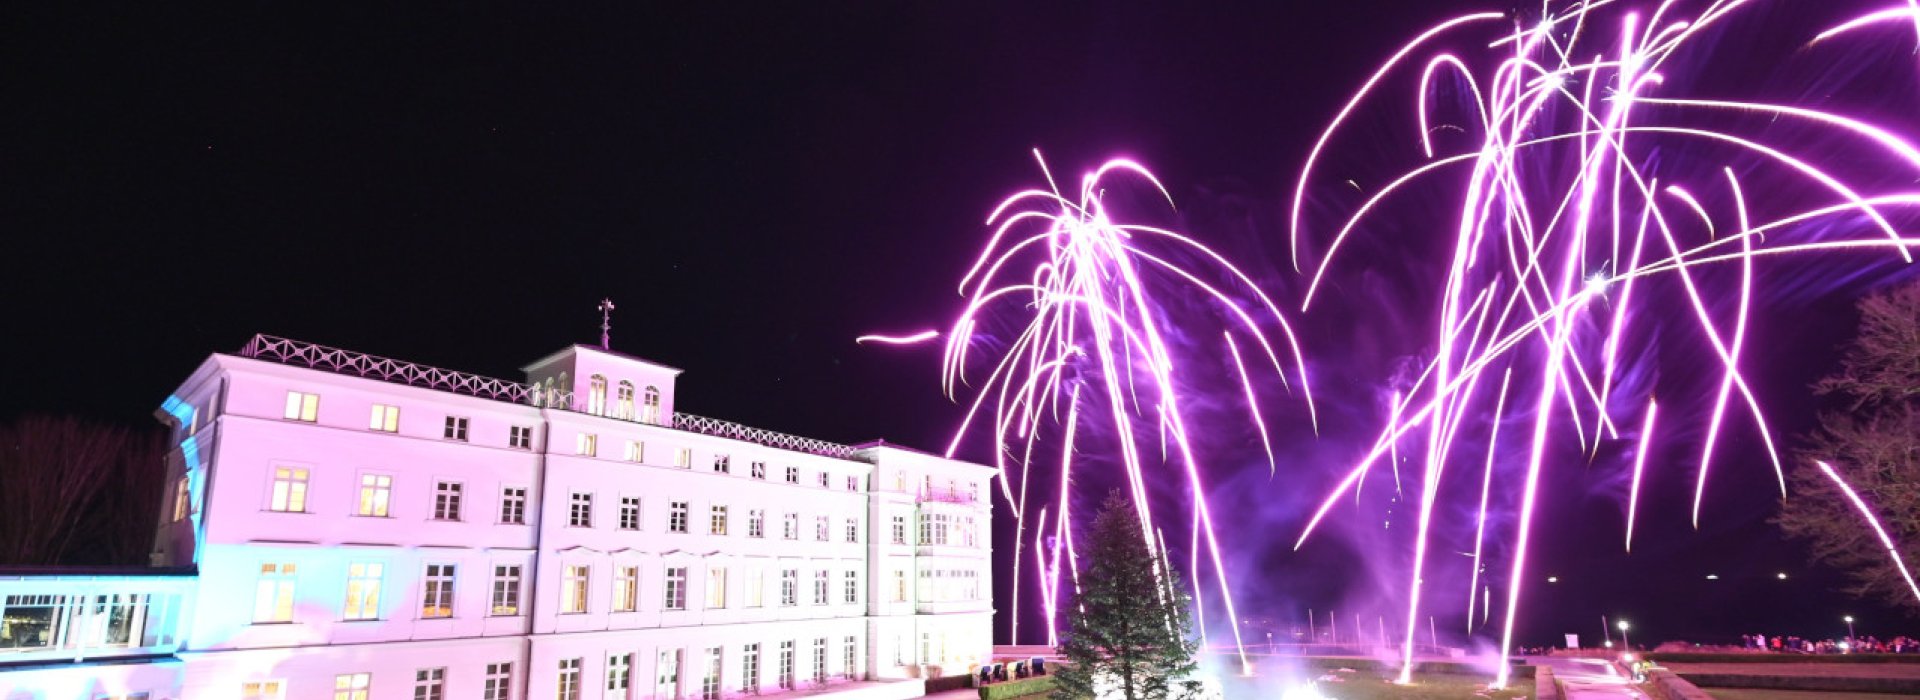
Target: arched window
x=651, y=410
x=597, y=395
x=623, y=408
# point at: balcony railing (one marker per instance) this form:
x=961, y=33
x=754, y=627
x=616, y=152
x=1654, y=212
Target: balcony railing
x=359, y=364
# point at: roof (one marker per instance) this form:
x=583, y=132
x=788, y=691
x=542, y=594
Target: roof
x=576, y=347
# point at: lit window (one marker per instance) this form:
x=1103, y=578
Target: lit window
x=623, y=405
x=385, y=419
x=793, y=475
x=676, y=588
x=520, y=437
x=375, y=490
x=820, y=587
x=629, y=512
x=289, y=490
x=182, y=498
x=716, y=587
x=446, y=500
x=718, y=524
x=513, y=505
x=677, y=517
x=710, y=683
x=430, y=684
x=756, y=586
x=750, y=669
x=586, y=444
x=760, y=470
x=580, y=510
x=651, y=409
x=620, y=666
x=667, y=682
x=499, y=682
x=853, y=529
x=456, y=429
x=363, y=590
x=273, y=594
x=303, y=406
x=569, y=679
x=850, y=656
x=722, y=464
x=436, y=600
x=626, y=588
x=506, y=590
x=852, y=587
x=573, y=589
x=636, y=451
x=597, y=395
x=263, y=690
x=791, y=524
x=351, y=686
x=899, y=585
x=683, y=458
x=756, y=523
x=790, y=587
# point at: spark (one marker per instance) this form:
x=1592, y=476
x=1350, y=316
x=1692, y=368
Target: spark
x=920, y=337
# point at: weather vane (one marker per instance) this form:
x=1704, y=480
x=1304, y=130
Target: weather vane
x=606, y=323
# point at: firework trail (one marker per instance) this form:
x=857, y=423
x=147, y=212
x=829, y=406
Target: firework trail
x=1579, y=213
x=1089, y=340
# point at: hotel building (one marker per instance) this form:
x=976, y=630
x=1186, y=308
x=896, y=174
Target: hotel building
x=341, y=525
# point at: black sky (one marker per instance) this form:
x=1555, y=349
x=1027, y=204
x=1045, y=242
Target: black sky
x=754, y=184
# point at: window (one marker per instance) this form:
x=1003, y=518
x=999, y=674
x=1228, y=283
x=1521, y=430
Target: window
x=375, y=490
x=273, y=594
x=820, y=587
x=791, y=523
x=351, y=686
x=853, y=483
x=760, y=470
x=302, y=406
x=899, y=529
x=437, y=599
x=513, y=505
x=677, y=517
x=499, y=682
x=586, y=444
x=363, y=590
x=756, y=523
x=676, y=588
x=899, y=585
x=573, y=589
x=263, y=690
x=650, y=410
x=722, y=464
x=446, y=500
x=820, y=660
x=456, y=429
x=853, y=529
x=820, y=528
x=597, y=395
x=718, y=526
x=790, y=587
x=756, y=586
x=289, y=491
x=569, y=679
x=823, y=479
x=506, y=590
x=853, y=587
x=716, y=587
x=750, y=669
x=710, y=683
x=385, y=418
x=623, y=402
x=793, y=475
x=683, y=458
x=626, y=588
x=667, y=680
x=182, y=498
x=620, y=666
x=636, y=451
x=629, y=512
x=933, y=528
x=520, y=437
x=580, y=509
x=850, y=655
x=786, y=665
x=430, y=684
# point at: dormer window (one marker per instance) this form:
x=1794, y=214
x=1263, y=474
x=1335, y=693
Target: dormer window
x=650, y=410
x=623, y=401
x=597, y=395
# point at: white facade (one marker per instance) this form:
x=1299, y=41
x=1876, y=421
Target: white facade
x=351, y=515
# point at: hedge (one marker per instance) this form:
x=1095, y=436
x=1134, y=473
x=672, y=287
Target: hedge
x=1032, y=685
x=1683, y=657
x=1837, y=684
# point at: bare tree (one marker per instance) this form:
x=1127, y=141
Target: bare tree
x=1873, y=440
x=77, y=492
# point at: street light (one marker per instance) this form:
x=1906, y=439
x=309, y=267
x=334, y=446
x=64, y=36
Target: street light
x=1623, y=635
x=1849, y=620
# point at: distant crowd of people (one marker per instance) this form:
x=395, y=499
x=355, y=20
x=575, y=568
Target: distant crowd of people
x=1859, y=645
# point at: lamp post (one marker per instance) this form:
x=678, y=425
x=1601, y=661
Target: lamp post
x=1849, y=620
x=1623, y=635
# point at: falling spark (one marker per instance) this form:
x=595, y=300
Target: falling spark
x=1880, y=531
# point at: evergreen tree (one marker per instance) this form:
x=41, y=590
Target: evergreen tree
x=1131, y=634
x=1873, y=440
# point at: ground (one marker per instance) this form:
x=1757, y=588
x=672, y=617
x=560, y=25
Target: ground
x=1754, y=694
x=1364, y=686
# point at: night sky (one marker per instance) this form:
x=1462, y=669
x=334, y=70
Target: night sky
x=754, y=186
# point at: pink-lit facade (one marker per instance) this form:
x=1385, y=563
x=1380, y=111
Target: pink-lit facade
x=459, y=537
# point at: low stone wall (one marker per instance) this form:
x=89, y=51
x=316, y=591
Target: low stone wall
x=1666, y=685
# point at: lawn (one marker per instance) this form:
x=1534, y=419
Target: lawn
x=1364, y=686
x=1756, y=694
